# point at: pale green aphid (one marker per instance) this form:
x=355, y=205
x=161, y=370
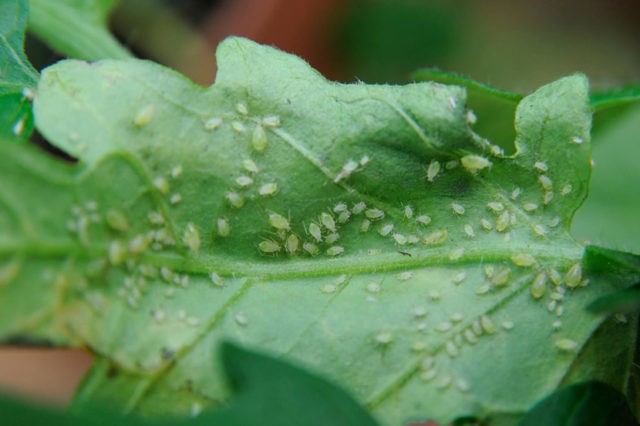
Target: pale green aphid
x=523, y=259
x=335, y=250
x=278, y=221
x=574, y=275
x=436, y=237
x=310, y=248
x=475, y=163
x=162, y=184
x=386, y=229
x=433, y=170
x=327, y=221
x=259, y=139
x=213, y=123
x=495, y=206
x=423, y=219
x=236, y=200
x=315, y=231
x=144, y=116
x=191, y=237
x=244, y=181
x=117, y=220
x=224, y=228
x=501, y=277
x=566, y=345
x=268, y=189
x=384, y=338
x=457, y=208
x=269, y=247
x=292, y=244
x=488, y=325
x=539, y=285
x=250, y=165
x=374, y=214
x=216, y=279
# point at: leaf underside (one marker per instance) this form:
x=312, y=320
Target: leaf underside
x=178, y=228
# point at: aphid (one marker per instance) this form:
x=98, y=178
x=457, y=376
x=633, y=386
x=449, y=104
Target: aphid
x=483, y=289
x=436, y=237
x=241, y=319
x=373, y=288
x=486, y=224
x=452, y=349
x=413, y=239
x=310, y=248
x=507, y=325
x=117, y=252
x=523, y=259
x=335, y=250
x=405, y=276
x=540, y=230
x=566, y=345
x=419, y=311
x=315, y=232
x=175, y=198
x=327, y=220
x=329, y=288
x=428, y=375
x=216, y=279
x=213, y=123
x=434, y=295
x=243, y=181
x=459, y=277
x=292, y=244
x=250, y=165
x=117, y=220
x=548, y=197
x=348, y=168
x=161, y=184
x=539, y=285
x=259, y=139
x=139, y=244
x=423, y=219
x=555, y=276
x=433, y=170
x=384, y=338
x=456, y=254
x=444, y=326
x=555, y=221
x=144, y=116
x=503, y=221
x=457, y=208
x=332, y=238
x=156, y=218
x=278, y=221
x=530, y=207
x=374, y=214
x=366, y=224
x=450, y=165
x=470, y=336
x=501, y=277
x=444, y=382
x=340, y=207
x=474, y=163
x=400, y=239
x=386, y=229
x=468, y=230
x=515, y=193
x=358, y=207
x=574, y=275
x=344, y=216
x=495, y=206
x=269, y=247
x=577, y=140
x=545, y=182
x=471, y=117
x=238, y=126
x=552, y=305
x=268, y=189
x=556, y=325
x=452, y=102
x=566, y=190
x=271, y=121
x=496, y=151
x=541, y=166
x=191, y=237
x=487, y=324
x=242, y=109
x=408, y=211
x=364, y=160
x=236, y=200
x=419, y=346
x=457, y=317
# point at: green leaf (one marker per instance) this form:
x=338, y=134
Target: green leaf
x=591, y=403
x=622, y=267
x=76, y=28
x=17, y=77
x=615, y=98
x=266, y=392
x=149, y=257
x=610, y=214
x=492, y=109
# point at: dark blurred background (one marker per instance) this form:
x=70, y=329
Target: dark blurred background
x=511, y=44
